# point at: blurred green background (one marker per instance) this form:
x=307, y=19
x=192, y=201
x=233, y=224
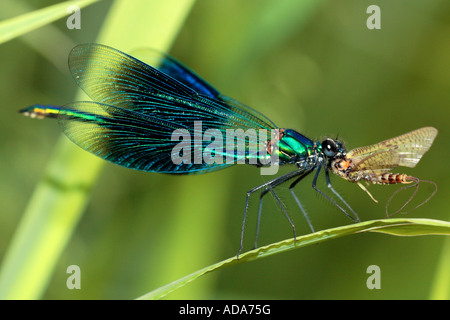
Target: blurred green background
x=309, y=65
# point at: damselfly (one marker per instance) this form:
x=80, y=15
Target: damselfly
x=137, y=108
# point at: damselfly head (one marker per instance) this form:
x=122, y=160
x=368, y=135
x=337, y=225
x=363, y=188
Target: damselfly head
x=332, y=148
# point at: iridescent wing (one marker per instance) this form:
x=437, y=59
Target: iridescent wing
x=405, y=150
x=137, y=107
x=110, y=76
x=175, y=69
x=121, y=136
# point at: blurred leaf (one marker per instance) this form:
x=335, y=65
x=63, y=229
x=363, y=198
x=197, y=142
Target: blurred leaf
x=440, y=289
x=430, y=227
x=398, y=227
x=60, y=197
x=20, y=25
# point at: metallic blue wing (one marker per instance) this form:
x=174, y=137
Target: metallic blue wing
x=175, y=69
x=124, y=137
x=110, y=76
x=138, y=107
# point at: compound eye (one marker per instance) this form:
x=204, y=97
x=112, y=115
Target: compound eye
x=329, y=147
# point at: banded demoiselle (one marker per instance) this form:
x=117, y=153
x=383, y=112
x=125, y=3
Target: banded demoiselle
x=136, y=108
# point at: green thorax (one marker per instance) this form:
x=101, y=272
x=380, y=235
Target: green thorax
x=294, y=147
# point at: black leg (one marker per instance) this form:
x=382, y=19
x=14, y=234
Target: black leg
x=327, y=176
x=299, y=175
x=331, y=200
x=268, y=186
x=263, y=193
x=291, y=189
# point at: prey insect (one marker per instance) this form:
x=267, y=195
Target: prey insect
x=373, y=164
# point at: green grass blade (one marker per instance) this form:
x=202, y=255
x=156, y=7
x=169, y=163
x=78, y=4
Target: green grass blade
x=398, y=227
x=440, y=289
x=17, y=26
x=419, y=227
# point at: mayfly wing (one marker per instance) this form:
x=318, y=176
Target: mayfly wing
x=405, y=150
x=383, y=160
